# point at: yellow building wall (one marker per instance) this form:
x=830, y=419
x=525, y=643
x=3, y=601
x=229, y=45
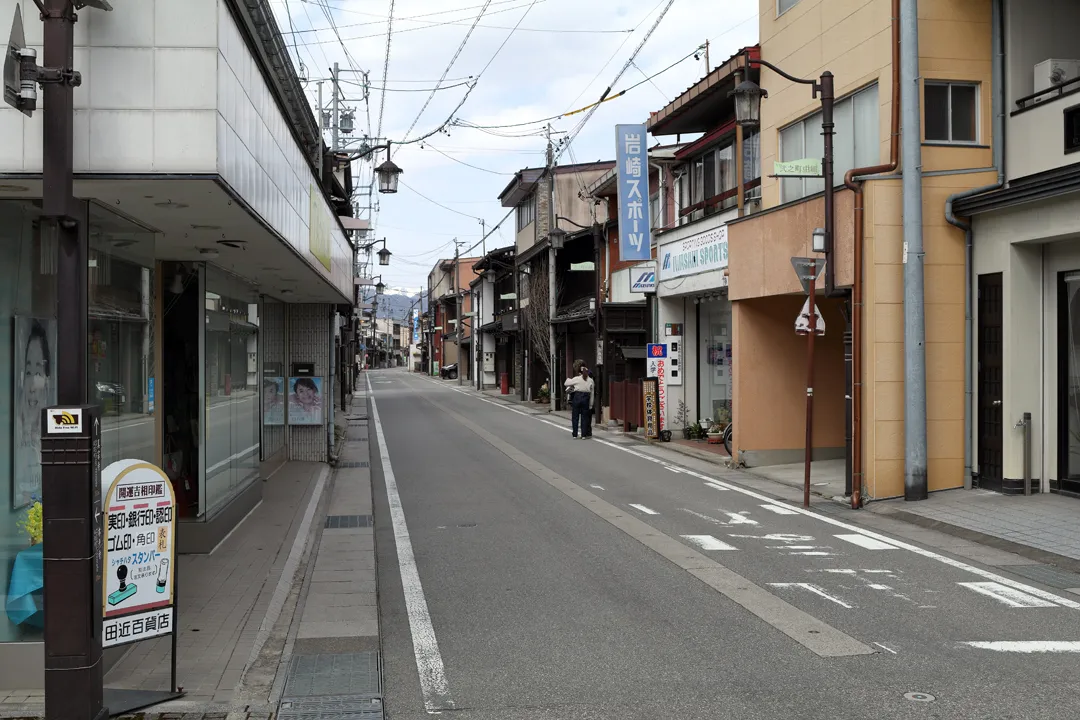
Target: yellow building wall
x=852, y=38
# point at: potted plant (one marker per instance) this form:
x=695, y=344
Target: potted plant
x=682, y=415
x=696, y=432
x=723, y=417
x=32, y=523
x=543, y=397
x=715, y=433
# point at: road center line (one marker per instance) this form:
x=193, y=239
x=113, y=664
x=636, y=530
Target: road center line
x=817, y=636
x=429, y=662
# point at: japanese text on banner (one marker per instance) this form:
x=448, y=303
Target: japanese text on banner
x=632, y=166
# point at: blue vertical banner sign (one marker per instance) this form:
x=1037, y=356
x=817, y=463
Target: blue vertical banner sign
x=632, y=164
x=416, y=326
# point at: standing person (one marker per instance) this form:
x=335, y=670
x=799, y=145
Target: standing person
x=582, y=391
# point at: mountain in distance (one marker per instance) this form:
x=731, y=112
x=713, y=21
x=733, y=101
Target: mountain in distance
x=398, y=302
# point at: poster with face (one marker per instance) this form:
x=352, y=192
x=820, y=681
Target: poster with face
x=273, y=401
x=305, y=401
x=34, y=361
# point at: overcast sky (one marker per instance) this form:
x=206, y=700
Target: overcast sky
x=561, y=57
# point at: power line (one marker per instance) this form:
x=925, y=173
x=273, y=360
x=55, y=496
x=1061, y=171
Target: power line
x=389, y=89
x=462, y=162
x=386, y=66
x=436, y=202
x=446, y=72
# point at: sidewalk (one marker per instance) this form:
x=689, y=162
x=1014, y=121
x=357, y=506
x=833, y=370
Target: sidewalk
x=270, y=619
x=1041, y=528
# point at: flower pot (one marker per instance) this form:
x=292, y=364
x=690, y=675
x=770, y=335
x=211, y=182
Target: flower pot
x=687, y=435
x=716, y=438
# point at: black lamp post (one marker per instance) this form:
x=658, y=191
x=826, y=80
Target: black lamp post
x=387, y=172
x=748, y=94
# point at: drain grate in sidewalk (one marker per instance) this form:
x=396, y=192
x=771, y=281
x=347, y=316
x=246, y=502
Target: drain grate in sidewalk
x=344, y=522
x=333, y=687
x=353, y=464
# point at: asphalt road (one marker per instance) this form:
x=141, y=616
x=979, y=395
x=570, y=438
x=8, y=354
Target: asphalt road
x=527, y=575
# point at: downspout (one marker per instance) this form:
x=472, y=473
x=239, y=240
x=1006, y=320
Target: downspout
x=998, y=143
x=854, y=180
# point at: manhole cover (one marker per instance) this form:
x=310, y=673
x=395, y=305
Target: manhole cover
x=343, y=522
x=1046, y=574
x=919, y=697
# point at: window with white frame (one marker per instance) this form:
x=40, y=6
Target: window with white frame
x=951, y=112
x=856, y=142
x=526, y=213
x=782, y=6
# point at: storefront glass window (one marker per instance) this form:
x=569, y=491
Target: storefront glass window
x=714, y=341
x=120, y=334
x=28, y=366
x=274, y=377
x=232, y=423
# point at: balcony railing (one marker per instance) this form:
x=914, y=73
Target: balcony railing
x=1051, y=93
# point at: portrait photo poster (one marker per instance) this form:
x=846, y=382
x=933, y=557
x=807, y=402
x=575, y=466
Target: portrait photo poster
x=305, y=401
x=274, y=399
x=34, y=364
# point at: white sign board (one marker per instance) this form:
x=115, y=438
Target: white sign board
x=656, y=365
x=802, y=322
x=696, y=254
x=65, y=421
x=140, y=553
x=643, y=278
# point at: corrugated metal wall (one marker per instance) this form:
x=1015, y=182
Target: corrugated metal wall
x=273, y=352
x=309, y=331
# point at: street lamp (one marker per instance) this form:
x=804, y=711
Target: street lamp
x=379, y=287
x=388, y=176
x=748, y=96
x=384, y=255
x=557, y=238
x=817, y=243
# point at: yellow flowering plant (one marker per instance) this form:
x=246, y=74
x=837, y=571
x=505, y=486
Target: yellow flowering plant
x=32, y=523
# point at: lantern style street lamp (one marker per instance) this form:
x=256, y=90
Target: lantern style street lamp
x=748, y=96
x=388, y=175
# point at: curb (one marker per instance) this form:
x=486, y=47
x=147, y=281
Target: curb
x=1031, y=553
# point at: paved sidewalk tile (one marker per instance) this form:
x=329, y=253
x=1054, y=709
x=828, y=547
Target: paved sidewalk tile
x=1043, y=524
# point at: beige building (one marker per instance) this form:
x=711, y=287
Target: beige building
x=856, y=41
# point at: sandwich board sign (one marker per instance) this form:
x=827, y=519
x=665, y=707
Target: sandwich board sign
x=138, y=600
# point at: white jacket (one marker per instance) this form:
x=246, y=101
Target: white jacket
x=580, y=384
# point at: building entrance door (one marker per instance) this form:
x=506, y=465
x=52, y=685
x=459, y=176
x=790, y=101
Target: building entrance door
x=990, y=383
x=1069, y=383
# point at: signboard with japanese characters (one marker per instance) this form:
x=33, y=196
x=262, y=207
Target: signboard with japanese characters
x=656, y=366
x=632, y=165
x=140, y=553
x=650, y=403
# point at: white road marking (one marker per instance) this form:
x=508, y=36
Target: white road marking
x=815, y=590
x=885, y=648
x=642, y=508
x=778, y=537
x=1007, y=595
x=429, y=663
x=708, y=542
x=779, y=509
x=867, y=542
x=738, y=518
x=596, y=487
x=922, y=552
x=703, y=516
x=1028, y=646
x=812, y=553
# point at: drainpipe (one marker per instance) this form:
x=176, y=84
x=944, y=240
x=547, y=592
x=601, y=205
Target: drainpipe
x=915, y=482
x=856, y=186
x=998, y=143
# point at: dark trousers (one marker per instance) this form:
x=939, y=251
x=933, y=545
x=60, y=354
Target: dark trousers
x=580, y=415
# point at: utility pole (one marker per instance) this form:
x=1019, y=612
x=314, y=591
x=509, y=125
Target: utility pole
x=708, y=65
x=457, y=301
x=556, y=397
x=483, y=237
x=71, y=433
x=320, y=149
x=336, y=90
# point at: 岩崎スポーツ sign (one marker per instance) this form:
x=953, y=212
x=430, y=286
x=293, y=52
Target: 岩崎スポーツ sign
x=695, y=254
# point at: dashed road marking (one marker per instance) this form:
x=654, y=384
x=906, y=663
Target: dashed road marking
x=597, y=487
x=779, y=510
x=1028, y=646
x=1007, y=595
x=866, y=542
x=886, y=648
x=642, y=508
x=820, y=592
x=708, y=542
